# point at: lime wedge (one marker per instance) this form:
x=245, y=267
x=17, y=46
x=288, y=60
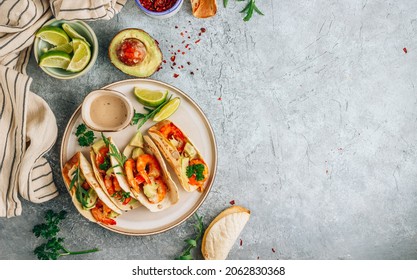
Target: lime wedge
x=72, y=33
x=55, y=59
x=65, y=48
x=152, y=98
x=53, y=35
x=82, y=56
x=167, y=110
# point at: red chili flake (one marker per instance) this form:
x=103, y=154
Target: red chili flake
x=173, y=64
x=273, y=250
x=172, y=68
x=186, y=46
x=189, y=63
x=176, y=75
x=189, y=37
x=159, y=68
x=173, y=58
x=203, y=30
x=182, y=34
x=241, y=242
x=172, y=46
x=186, y=31
x=179, y=51
x=232, y=202
x=183, y=53
x=199, y=34
x=192, y=73
x=164, y=61
x=405, y=50
x=176, y=27
x=183, y=42
x=182, y=66
x=189, y=49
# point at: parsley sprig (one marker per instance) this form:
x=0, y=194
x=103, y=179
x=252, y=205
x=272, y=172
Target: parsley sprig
x=85, y=137
x=53, y=248
x=196, y=169
x=249, y=9
x=140, y=118
x=192, y=242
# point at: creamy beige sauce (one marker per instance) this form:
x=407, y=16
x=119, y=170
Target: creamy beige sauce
x=108, y=111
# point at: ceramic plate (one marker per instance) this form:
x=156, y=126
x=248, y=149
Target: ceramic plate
x=190, y=118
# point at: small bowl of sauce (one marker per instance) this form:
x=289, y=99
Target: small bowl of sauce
x=106, y=110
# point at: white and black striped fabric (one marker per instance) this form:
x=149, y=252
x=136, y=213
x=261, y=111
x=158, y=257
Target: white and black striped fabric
x=27, y=124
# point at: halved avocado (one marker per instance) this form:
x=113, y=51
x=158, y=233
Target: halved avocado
x=152, y=56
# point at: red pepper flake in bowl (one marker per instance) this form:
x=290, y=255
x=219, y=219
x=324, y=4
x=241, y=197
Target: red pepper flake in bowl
x=158, y=5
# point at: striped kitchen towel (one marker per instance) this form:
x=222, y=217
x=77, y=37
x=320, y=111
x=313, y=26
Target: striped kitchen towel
x=27, y=123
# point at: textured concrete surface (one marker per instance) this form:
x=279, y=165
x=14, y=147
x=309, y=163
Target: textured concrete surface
x=316, y=130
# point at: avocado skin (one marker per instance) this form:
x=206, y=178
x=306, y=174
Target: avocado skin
x=153, y=58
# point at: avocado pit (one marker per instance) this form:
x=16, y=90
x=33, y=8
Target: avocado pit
x=131, y=51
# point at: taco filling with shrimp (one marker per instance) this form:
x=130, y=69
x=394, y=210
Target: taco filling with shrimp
x=148, y=177
x=190, y=167
x=87, y=196
x=107, y=165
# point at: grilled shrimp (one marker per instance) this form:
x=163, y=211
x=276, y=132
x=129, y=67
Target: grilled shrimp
x=148, y=166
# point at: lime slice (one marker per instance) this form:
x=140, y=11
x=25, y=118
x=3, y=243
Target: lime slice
x=55, y=59
x=82, y=56
x=53, y=35
x=65, y=48
x=152, y=98
x=167, y=110
x=72, y=33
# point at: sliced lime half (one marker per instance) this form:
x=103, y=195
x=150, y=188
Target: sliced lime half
x=152, y=98
x=55, y=59
x=73, y=34
x=167, y=110
x=81, y=57
x=53, y=35
x=65, y=48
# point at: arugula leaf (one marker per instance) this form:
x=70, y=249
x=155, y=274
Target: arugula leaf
x=140, y=119
x=113, y=151
x=192, y=242
x=53, y=248
x=85, y=137
x=196, y=169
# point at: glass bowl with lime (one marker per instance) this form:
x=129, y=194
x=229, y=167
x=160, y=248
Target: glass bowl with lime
x=65, y=49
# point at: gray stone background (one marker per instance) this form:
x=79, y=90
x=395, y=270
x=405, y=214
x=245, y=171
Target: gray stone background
x=316, y=130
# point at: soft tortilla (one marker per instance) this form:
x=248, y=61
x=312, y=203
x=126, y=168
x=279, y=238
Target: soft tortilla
x=88, y=173
x=172, y=195
x=223, y=231
x=204, y=8
x=172, y=155
x=118, y=171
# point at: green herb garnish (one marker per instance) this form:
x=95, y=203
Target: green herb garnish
x=105, y=165
x=80, y=193
x=140, y=119
x=113, y=151
x=85, y=137
x=192, y=242
x=196, y=169
x=53, y=248
x=249, y=9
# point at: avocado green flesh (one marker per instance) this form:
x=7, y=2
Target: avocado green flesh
x=137, y=152
x=98, y=145
x=150, y=190
x=137, y=140
x=151, y=61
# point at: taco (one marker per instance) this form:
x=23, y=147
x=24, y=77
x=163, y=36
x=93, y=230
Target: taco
x=86, y=193
x=108, y=169
x=148, y=178
x=182, y=155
